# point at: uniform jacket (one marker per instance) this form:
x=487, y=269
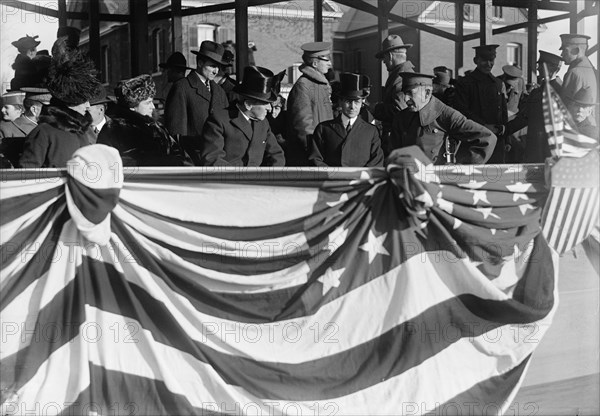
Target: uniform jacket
x=309, y=103
x=12, y=137
x=580, y=75
x=60, y=132
x=428, y=127
x=188, y=105
x=331, y=146
x=141, y=140
x=482, y=98
x=230, y=140
x=393, y=98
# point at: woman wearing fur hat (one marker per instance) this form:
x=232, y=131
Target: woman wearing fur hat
x=63, y=126
x=141, y=140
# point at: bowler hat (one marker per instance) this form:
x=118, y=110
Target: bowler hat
x=354, y=86
x=316, y=49
x=583, y=97
x=41, y=95
x=211, y=50
x=26, y=42
x=101, y=98
x=13, y=98
x=568, y=39
x=512, y=71
x=257, y=84
x=442, y=78
x=390, y=43
x=176, y=60
x=413, y=79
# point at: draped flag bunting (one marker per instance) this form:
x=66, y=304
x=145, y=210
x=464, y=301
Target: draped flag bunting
x=274, y=291
x=572, y=210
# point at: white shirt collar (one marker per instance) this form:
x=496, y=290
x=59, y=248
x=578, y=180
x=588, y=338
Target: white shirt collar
x=202, y=78
x=345, y=120
x=242, y=113
x=101, y=124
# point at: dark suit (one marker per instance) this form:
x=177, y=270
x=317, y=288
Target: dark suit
x=330, y=145
x=230, y=140
x=188, y=105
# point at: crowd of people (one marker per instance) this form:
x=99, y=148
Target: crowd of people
x=57, y=105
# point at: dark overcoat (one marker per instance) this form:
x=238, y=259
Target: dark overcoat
x=429, y=127
x=330, y=145
x=12, y=137
x=482, y=98
x=230, y=140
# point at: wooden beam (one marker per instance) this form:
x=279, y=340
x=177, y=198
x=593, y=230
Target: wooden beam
x=383, y=30
x=176, y=26
x=459, y=20
x=35, y=8
x=541, y=5
x=510, y=28
x=532, y=40
x=485, y=22
x=575, y=23
x=213, y=8
x=241, y=37
x=95, y=51
x=318, y=20
x=62, y=13
x=138, y=29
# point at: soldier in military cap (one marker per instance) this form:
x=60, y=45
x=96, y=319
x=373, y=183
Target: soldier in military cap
x=482, y=98
x=581, y=73
x=531, y=113
x=512, y=77
x=25, y=69
x=443, y=89
x=444, y=134
x=393, y=55
x=309, y=101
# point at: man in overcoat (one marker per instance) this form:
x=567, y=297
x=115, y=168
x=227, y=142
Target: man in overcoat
x=440, y=131
x=347, y=140
x=393, y=54
x=481, y=97
x=240, y=135
x=193, y=98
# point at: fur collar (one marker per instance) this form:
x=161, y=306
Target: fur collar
x=63, y=118
x=313, y=74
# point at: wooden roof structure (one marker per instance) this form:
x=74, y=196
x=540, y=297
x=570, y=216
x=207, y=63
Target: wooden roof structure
x=138, y=17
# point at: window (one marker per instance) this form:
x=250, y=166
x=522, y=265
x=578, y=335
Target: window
x=157, y=46
x=198, y=34
x=357, y=60
x=498, y=13
x=104, y=65
x=468, y=12
x=513, y=54
x=338, y=59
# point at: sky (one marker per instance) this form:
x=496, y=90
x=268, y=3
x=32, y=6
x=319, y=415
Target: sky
x=17, y=23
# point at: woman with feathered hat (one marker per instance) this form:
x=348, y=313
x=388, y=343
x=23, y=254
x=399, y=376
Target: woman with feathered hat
x=141, y=140
x=63, y=126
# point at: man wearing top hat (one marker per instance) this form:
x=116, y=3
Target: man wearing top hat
x=581, y=73
x=13, y=133
x=309, y=101
x=240, y=135
x=393, y=54
x=482, y=98
x=531, y=113
x=25, y=70
x=444, y=134
x=347, y=140
x=193, y=98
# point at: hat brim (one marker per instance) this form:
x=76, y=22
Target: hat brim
x=165, y=66
x=352, y=95
x=212, y=56
x=105, y=101
x=380, y=54
x=266, y=98
x=511, y=71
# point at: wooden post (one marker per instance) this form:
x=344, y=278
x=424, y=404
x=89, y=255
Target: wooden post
x=532, y=19
x=62, y=13
x=241, y=37
x=318, y=20
x=576, y=25
x=94, y=30
x=485, y=22
x=138, y=29
x=459, y=20
x=176, y=27
x=383, y=29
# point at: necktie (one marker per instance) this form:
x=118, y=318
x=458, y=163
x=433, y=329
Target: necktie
x=96, y=131
x=207, y=83
x=348, y=127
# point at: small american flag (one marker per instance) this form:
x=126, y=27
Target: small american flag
x=571, y=210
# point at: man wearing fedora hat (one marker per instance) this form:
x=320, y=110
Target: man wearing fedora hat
x=512, y=77
x=581, y=106
x=98, y=107
x=347, y=140
x=173, y=70
x=240, y=135
x=193, y=98
x=482, y=98
x=443, y=89
x=309, y=101
x=531, y=112
x=25, y=70
x=444, y=134
x=393, y=54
